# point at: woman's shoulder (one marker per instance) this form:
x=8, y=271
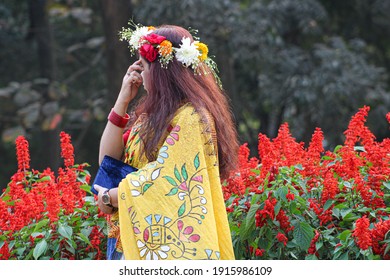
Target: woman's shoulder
x=185, y=111
x=189, y=114
x=188, y=109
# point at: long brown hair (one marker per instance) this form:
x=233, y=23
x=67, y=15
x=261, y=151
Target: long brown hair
x=170, y=88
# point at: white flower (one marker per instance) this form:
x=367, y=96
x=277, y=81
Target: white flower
x=138, y=33
x=157, y=253
x=188, y=53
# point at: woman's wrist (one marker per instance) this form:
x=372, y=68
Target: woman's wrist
x=121, y=106
x=118, y=120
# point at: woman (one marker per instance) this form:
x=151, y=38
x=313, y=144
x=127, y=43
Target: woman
x=183, y=142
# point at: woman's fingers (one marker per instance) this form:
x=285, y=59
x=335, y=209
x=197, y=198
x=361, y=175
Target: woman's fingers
x=98, y=188
x=135, y=77
x=136, y=66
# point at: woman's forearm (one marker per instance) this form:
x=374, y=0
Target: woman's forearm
x=111, y=143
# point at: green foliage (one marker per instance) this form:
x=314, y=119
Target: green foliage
x=334, y=242
x=68, y=238
x=307, y=203
x=43, y=216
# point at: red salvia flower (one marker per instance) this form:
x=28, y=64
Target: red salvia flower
x=312, y=249
x=355, y=127
x=4, y=252
x=259, y=252
x=284, y=221
x=378, y=234
x=330, y=187
x=362, y=233
x=282, y=238
x=67, y=150
x=316, y=147
x=268, y=211
x=290, y=196
x=22, y=153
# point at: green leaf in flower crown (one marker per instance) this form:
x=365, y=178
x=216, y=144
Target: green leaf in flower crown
x=40, y=248
x=66, y=231
x=184, y=172
x=196, y=161
x=177, y=174
x=303, y=234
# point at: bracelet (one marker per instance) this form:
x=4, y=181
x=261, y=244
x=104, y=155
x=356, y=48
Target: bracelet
x=117, y=120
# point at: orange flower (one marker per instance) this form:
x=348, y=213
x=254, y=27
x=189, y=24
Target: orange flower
x=151, y=28
x=165, y=48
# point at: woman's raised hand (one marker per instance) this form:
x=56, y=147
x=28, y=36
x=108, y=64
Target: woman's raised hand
x=131, y=82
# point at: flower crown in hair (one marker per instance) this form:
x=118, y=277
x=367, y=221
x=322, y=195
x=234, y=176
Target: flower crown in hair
x=153, y=46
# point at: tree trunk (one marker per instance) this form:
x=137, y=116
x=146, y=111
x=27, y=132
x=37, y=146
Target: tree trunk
x=116, y=14
x=40, y=30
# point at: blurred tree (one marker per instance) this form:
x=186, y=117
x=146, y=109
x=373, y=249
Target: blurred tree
x=370, y=21
x=40, y=31
x=115, y=14
x=292, y=70
x=72, y=95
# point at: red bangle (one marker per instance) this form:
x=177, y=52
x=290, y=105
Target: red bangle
x=117, y=120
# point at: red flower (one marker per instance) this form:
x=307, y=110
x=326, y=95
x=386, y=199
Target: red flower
x=284, y=221
x=290, y=196
x=259, y=252
x=154, y=38
x=149, y=52
x=315, y=147
x=362, y=233
x=267, y=211
x=4, y=252
x=312, y=249
x=378, y=234
x=282, y=238
x=357, y=131
x=330, y=187
x=22, y=153
x=67, y=150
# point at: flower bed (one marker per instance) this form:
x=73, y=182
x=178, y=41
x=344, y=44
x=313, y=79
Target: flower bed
x=306, y=203
x=290, y=203
x=44, y=216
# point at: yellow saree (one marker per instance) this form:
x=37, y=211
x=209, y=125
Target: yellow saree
x=173, y=208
